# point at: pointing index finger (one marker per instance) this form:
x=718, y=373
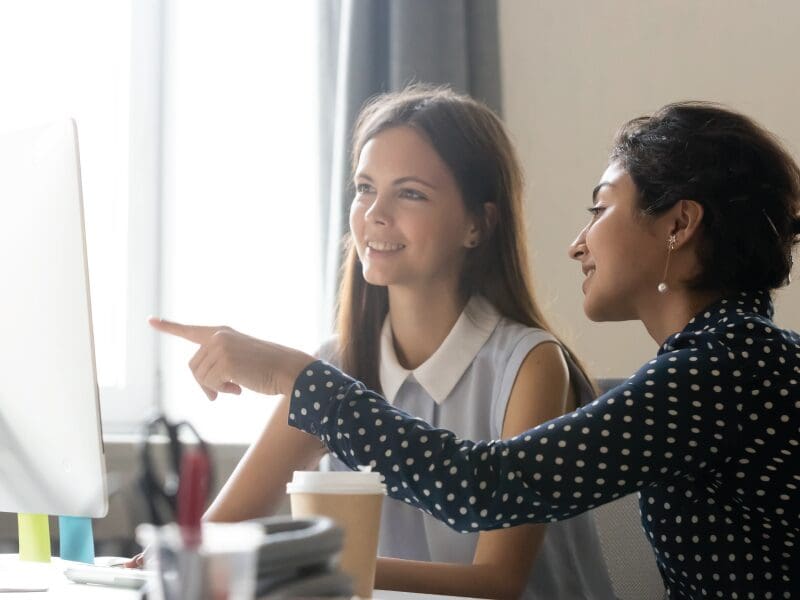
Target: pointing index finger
x=199, y=334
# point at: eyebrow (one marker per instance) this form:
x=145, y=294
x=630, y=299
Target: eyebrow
x=399, y=181
x=597, y=189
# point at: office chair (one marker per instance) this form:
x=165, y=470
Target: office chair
x=628, y=555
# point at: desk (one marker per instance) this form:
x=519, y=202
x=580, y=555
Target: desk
x=59, y=586
x=63, y=589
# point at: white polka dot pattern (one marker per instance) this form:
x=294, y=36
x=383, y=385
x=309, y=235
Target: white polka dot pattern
x=707, y=433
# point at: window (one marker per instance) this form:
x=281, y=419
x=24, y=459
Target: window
x=197, y=123
x=60, y=59
x=239, y=231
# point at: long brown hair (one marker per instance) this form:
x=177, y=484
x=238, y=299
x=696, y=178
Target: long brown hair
x=474, y=145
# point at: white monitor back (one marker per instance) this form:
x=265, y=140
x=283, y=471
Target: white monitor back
x=51, y=448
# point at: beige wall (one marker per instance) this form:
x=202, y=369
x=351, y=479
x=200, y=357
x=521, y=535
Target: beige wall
x=575, y=70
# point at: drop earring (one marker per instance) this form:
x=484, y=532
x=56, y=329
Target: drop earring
x=662, y=287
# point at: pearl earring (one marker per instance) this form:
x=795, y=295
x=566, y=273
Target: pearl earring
x=662, y=287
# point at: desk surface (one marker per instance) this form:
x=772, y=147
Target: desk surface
x=51, y=574
x=62, y=588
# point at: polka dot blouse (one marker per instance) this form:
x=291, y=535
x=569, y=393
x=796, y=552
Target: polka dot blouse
x=707, y=433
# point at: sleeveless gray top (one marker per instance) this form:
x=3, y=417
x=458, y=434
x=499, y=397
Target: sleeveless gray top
x=464, y=387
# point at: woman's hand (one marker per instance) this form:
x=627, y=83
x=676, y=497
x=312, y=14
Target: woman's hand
x=228, y=360
x=137, y=562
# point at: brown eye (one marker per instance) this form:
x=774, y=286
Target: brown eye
x=412, y=194
x=595, y=211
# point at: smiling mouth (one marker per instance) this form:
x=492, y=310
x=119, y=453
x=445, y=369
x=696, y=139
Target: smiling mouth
x=385, y=246
x=588, y=276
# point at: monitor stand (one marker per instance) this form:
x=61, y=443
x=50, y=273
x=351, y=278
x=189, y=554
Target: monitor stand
x=76, y=540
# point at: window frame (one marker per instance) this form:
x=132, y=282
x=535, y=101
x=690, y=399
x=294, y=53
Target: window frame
x=125, y=407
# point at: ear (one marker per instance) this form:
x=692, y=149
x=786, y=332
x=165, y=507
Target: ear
x=686, y=220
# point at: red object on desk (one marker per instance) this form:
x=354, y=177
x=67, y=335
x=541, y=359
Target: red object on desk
x=192, y=494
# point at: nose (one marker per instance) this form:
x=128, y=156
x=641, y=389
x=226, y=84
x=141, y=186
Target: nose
x=379, y=211
x=577, y=249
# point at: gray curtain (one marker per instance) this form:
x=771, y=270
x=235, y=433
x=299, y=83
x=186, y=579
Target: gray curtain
x=373, y=46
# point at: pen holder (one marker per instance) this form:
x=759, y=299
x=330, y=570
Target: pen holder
x=223, y=565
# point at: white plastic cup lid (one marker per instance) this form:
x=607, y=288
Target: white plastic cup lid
x=336, y=482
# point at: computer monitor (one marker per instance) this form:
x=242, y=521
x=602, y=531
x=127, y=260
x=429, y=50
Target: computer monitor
x=51, y=446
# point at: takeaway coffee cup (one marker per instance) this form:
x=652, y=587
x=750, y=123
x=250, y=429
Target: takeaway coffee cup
x=353, y=500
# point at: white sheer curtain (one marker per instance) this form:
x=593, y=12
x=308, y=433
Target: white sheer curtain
x=240, y=221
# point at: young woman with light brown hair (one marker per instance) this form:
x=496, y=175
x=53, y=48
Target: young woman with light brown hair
x=436, y=311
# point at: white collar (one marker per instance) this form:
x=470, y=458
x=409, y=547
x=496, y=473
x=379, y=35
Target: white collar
x=440, y=373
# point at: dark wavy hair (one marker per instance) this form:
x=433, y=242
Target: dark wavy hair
x=746, y=181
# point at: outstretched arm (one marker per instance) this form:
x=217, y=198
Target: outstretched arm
x=226, y=361
x=638, y=433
